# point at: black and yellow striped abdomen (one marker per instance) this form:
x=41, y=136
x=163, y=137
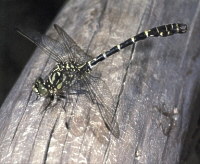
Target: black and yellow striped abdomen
x=160, y=31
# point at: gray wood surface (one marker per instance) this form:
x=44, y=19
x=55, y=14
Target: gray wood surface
x=154, y=88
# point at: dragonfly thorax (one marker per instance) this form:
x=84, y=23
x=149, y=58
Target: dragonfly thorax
x=64, y=74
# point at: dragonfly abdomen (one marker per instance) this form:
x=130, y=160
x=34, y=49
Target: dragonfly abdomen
x=160, y=31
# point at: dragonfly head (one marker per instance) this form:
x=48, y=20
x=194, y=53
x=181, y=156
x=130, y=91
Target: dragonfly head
x=39, y=87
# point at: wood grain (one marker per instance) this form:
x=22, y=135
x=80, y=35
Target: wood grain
x=155, y=86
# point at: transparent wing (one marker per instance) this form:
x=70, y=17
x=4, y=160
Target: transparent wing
x=100, y=94
x=94, y=89
x=50, y=46
x=59, y=51
x=75, y=51
x=77, y=117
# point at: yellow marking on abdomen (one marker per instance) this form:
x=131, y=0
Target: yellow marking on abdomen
x=146, y=33
x=118, y=46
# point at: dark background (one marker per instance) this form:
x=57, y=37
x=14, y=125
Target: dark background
x=15, y=51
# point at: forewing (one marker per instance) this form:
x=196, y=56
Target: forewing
x=50, y=46
x=76, y=53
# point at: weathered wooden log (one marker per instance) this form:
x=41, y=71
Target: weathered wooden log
x=154, y=85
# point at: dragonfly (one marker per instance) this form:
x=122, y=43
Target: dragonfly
x=74, y=73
